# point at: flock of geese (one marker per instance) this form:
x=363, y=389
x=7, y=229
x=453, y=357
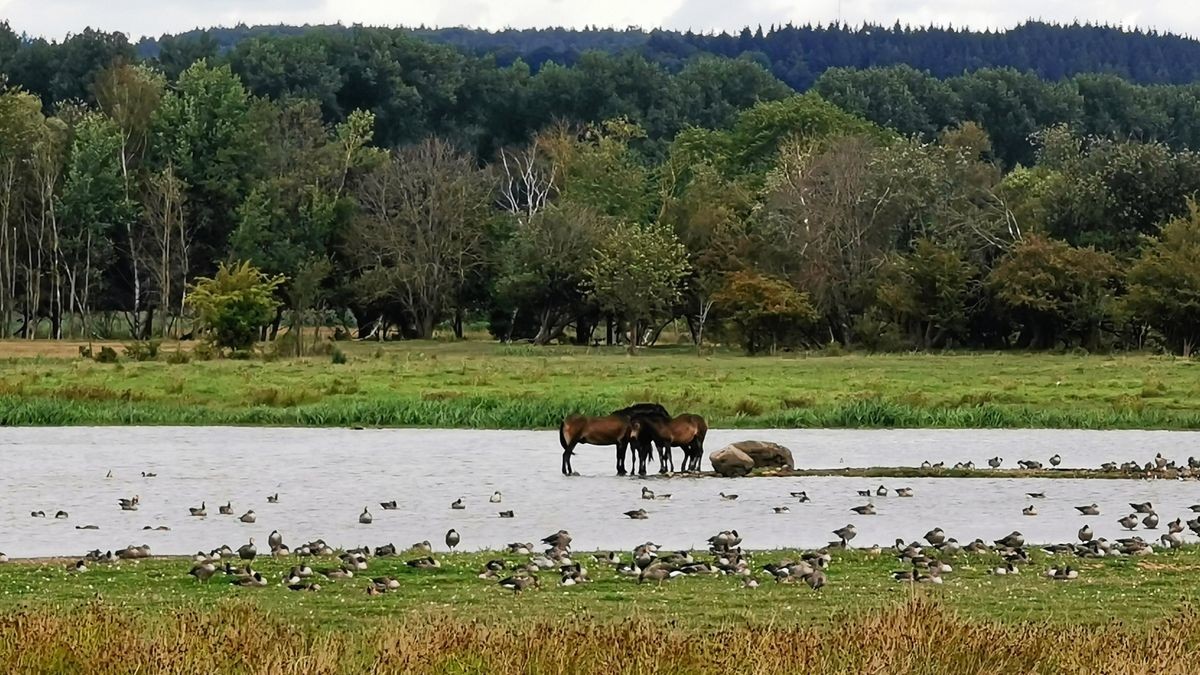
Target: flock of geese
x=922, y=562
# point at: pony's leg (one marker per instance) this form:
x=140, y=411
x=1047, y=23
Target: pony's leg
x=644, y=452
x=566, y=459
x=621, y=458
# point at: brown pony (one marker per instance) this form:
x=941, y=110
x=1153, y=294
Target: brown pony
x=686, y=431
x=607, y=430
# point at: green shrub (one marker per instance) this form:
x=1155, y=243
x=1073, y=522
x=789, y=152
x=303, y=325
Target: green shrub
x=337, y=356
x=178, y=357
x=204, y=352
x=107, y=355
x=142, y=350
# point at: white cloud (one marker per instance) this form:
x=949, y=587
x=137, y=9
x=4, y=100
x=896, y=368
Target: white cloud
x=56, y=18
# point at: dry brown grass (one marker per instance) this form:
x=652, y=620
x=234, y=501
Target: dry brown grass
x=918, y=637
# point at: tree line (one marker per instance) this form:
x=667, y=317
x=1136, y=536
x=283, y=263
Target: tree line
x=388, y=202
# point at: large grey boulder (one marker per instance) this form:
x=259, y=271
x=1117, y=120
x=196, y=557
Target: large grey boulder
x=767, y=454
x=729, y=461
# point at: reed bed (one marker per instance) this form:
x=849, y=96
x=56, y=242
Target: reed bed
x=916, y=637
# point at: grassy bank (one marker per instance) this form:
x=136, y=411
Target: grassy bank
x=1131, y=615
x=483, y=385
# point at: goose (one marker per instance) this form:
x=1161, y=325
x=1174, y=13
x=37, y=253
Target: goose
x=129, y=504
x=881, y=491
x=658, y=574
x=199, y=511
x=647, y=493
x=388, y=506
x=1036, y=495
x=146, y=474
x=373, y=590
x=904, y=492
x=935, y=537
x=79, y=566
x=995, y=462
x=247, y=551
x=1089, y=510
x=863, y=493
x=202, y=571
x=728, y=498
x=639, y=514
x=280, y=551
x=801, y=496
x=37, y=514
x=864, y=510
x=1160, y=461
x=518, y=584
x=1129, y=522
x=1012, y=540
x=452, y=539
x=1150, y=521
x=846, y=533
x=1062, y=573
x=749, y=582
x=292, y=576
x=782, y=509
x=248, y=517
x=1055, y=460
x=1175, y=526
x=560, y=539
x=1029, y=511
x=365, y=518
x=926, y=464
x=815, y=579
x=1085, y=534
x=313, y=588
x=226, y=510
x=662, y=496
x=1171, y=540
x=338, y=573
x=496, y=497
x=428, y=562
x=275, y=540
x=421, y=547
x=87, y=527
x=255, y=580
x=109, y=474
x=458, y=504
x=1108, y=466
x=160, y=528
x=273, y=499
x=61, y=515
x=1005, y=570
x=390, y=583
x=385, y=550
x=1194, y=508
x=1144, y=507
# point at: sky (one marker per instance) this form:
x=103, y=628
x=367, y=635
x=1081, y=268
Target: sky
x=57, y=18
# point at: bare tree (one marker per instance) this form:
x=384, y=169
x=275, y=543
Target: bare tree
x=527, y=180
x=421, y=230
x=163, y=211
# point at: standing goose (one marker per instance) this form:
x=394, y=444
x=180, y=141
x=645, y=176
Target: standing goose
x=452, y=539
x=1129, y=522
x=1090, y=510
x=846, y=534
x=248, y=517
x=247, y=551
x=1175, y=526
x=226, y=510
x=365, y=517
x=275, y=540
x=496, y=497
x=1150, y=521
x=1085, y=534
x=995, y=462
x=1055, y=460
x=199, y=511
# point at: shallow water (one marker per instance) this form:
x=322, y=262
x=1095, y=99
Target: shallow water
x=325, y=476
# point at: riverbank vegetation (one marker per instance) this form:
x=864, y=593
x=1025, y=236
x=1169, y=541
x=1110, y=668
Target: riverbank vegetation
x=145, y=614
x=474, y=384
x=385, y=186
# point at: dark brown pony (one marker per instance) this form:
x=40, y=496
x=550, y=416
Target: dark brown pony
x=613, y=429
x=686, y=431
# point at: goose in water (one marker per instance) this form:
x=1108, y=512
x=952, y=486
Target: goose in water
x=129, y=504
x=458, y=504
x=728, y=498
x=506, y=514
x=647, y=493
x=1029, y=511
x=863, y=493
x=61, y=515
x=1090, y=510
x=1129, y=522
x=452, y=539
x=365, y=517
x=518, y=584
x=801, y=496
x=248, y=517
x=1144, y=507
x=864, y=510
x=1036, y=495
x=226, y=510
x=87, y=527
x=388, y=506
x=273, y=499
x=146, y=474
x=109, y=474
x=639, y=514
x=881, y=491
x=496, y=497
x=37, y=514
x=904, y=492
x=782, y=509
x=199, y=511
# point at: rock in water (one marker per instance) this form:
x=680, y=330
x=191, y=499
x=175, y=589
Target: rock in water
x=766, y=454
x=730, y=461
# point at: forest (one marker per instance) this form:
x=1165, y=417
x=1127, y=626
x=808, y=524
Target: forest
x=392, y=184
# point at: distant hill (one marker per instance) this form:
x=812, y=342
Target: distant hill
x=799, y=54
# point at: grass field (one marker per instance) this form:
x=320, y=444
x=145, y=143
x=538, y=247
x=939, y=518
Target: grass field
x=485, y=385
x=150, y=615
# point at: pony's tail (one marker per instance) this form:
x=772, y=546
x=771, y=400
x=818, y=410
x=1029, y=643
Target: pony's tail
x=562, y=434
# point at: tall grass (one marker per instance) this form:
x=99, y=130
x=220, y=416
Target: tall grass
x=917, y=637
x=276, y=407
